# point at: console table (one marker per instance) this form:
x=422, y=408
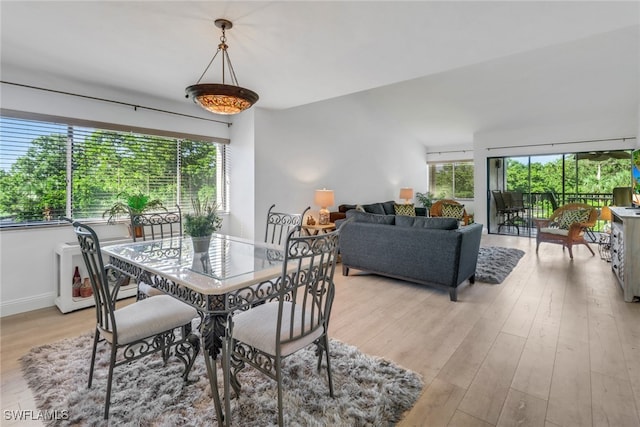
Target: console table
x=625, y=250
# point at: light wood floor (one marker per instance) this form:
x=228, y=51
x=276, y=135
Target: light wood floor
x=554, y=345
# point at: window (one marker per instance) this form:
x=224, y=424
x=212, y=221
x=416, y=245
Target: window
x=451, y=180
x=48, y=170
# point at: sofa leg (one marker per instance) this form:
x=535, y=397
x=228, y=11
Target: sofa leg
x=472, y=279
x=453, y=294
x=345, y=270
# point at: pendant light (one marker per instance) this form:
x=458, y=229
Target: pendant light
x=222, y=98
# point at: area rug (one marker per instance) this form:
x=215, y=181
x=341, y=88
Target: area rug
x=495, y=263
x=369, y=391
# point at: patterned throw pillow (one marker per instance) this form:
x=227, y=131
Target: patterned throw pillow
x=568, y=217
x=407, y=210
x=452, y=211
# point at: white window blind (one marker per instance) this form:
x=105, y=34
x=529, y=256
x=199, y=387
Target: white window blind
x=102, y=166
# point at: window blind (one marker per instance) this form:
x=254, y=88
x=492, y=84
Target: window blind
x=50, y=170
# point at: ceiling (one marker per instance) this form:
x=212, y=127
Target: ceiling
x=444, y=69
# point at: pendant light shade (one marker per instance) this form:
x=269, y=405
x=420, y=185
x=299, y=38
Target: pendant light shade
x=222, y=98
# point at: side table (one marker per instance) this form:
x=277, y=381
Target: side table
x=313, y=230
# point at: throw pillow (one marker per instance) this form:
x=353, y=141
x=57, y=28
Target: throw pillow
x=359, y=208
x=374, y=208
x=452, y=211
x=407, y=210
x=568, y=217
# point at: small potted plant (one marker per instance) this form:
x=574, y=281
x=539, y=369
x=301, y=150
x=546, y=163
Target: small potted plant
x=202, y=223
x=426, y=199
x=134, y=203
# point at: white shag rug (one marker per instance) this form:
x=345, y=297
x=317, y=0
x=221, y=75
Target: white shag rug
x=495, y=263
x=369, y=391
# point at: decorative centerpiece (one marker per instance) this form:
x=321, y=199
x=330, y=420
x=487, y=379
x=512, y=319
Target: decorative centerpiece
x=202, y=223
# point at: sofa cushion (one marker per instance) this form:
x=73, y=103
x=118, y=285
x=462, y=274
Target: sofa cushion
x=437, y=223
x=389, y=207
x=374, y=208
x=452, y=211
x=406, y=210
x=371, y=218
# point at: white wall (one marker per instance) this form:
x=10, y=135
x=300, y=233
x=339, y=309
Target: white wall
x=334, y=145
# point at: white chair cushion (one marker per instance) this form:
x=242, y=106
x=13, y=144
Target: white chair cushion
x=558, y=231
x=149, y=290
x=150, y=317
x=257, y=327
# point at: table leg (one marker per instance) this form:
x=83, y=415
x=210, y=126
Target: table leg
x=212, y=343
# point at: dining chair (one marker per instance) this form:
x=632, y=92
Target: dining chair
x=152, y=226
x=279, y=224
x=156, y=225
x=142, y=328
x=264, y=335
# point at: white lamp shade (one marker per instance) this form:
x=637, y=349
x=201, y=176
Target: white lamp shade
x=406, y=193
x=324, y=198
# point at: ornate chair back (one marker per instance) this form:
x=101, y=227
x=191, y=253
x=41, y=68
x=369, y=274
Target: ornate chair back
x=279, y=224
x=156, y=225
x=267, y=333
x=103, y=294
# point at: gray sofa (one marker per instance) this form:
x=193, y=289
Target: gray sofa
x=431, y=251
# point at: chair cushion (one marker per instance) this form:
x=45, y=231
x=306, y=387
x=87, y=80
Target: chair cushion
x=571, y=216
x=150, y=317
x=452, y=211
x=557, y=231
x=257, y=328
x=406, y=210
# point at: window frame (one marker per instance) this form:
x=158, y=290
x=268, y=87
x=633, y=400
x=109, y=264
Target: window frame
x=432, y=172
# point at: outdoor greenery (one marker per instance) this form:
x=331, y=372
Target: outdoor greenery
x=106, y=167
x=451, y=180
x=593, y=177
x=136, y=203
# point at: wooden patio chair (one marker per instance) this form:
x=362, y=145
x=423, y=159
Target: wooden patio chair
x=437, y=207
x=567, y=226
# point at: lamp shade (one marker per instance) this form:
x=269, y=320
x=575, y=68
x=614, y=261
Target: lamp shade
x=324, y=198
x=605, y=213
x=406, y=193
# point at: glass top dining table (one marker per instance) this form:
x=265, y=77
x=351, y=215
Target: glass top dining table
x=229, y=264
x=231, y=274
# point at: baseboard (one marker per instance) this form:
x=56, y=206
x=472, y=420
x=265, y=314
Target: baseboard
x=22, y=305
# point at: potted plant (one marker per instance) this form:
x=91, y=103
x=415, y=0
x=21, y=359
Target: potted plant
x=426, y=199
x=202, y=223
x=135, y=204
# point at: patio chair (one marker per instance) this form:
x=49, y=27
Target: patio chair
x=265, y=335
x=440, y=208
x=140, y=329
x=567, y=226
x=504, y=211
x=279, y=224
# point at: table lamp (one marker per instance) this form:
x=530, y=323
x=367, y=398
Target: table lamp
x=324, y=198
x=406, y=193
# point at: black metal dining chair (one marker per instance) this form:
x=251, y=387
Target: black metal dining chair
x=279, y=224
x=298, y=316
x=145, y=327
